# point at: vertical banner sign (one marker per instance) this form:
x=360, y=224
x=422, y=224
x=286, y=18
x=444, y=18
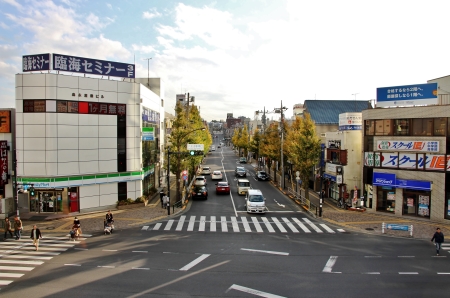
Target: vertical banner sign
x=3, y=162
x=148, y=133
x=5, y=121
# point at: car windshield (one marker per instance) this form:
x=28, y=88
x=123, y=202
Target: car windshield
x=256, y=198
x=206, y=168
x=240, y=170
x=222, y=184
x=216, y=173
x=262, y=173
x=200, y=178
x=245, y=184
x=200, y=189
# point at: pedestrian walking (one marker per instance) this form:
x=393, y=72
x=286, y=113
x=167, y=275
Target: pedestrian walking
x=17, y=227
x=77, y=227
x=161, y=198
x=36, y=235
x=7, y=228
x=438, y=238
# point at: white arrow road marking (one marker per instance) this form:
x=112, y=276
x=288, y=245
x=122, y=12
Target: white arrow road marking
x=329, y=265
x=194, y=262
x=281, y=205
x=267, y=251
x=253, y=291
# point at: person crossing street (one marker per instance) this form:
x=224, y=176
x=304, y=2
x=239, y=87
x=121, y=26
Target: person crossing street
x=438, y=238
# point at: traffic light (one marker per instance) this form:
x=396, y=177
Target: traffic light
x=195, y=153
x=32, y=191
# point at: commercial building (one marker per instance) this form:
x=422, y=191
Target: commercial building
x=84, y=143
x=406, y=153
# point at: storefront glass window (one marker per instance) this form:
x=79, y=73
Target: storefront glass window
x=383, y=127
x=422, y=127
x=440, y=126
x=401, y=127
x=386, y=200
x=370, y=127
x=416, y=203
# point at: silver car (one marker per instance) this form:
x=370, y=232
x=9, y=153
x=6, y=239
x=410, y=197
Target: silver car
x=200, y=181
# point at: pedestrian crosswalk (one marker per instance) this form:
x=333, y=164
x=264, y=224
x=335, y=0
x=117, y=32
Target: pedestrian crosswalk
x=241, y=224
x=20, y=256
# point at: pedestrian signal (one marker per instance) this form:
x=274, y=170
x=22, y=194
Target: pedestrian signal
x=32, y=191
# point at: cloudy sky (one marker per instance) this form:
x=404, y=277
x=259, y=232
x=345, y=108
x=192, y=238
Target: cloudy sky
x=238, y=56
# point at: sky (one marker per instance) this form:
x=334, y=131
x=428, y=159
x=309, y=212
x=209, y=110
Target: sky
x=238, y=56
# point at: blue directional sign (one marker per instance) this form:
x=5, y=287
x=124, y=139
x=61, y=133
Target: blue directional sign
x=397, y=227
x=408, y=95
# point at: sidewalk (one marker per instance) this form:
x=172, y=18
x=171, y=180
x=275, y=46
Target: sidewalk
x=92, y=223
x=371, y=222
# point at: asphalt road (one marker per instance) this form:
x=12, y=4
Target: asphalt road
x=215, y=249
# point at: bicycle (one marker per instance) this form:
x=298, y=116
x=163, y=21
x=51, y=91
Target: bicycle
x=341, y=204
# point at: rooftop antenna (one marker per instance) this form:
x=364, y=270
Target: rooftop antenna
x=148, y=71
x=355, y=100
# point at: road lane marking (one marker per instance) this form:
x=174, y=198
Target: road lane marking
x=194, y=262
x=140, y=268
x=234, y=224
x=212, y=225
x=315, y=228
x=28, y=257
x=140, y=251
x=408, y=273
x=246, y=225
x=443, y=273
x=329, y=265
x=180, y=223
x=16, y=268
x=406, y=256
x=268, y=225
x=341, y=230
x=169, y=225
x=145, y=228
x=372, y=256
x=201, y=228
x=267, y=251
x=21, y=262
x=223, y=221
x=157, y=226
x=371, y=273
x=290, y=225
x=257, y=225
x=106, y=267
x=77, y=265
x=301, y=225
x=191, y=223
x=5, y=282
x=279, y=225
x=109, y=250
x=327, y=228
x=252, y=291
x=13, y=275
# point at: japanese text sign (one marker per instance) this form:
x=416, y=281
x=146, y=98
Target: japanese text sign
x=93, y=66
x=407, y=145
x=3, y=162
x=407, y=95
x=36, y=62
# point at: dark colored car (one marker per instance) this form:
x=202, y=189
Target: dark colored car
x=243, y=160
x=240, y=172
x=199, y=192
x=261, y=175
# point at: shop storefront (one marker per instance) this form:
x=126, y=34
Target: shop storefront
x=410, y=197
x=332, y=188
x=54, y=200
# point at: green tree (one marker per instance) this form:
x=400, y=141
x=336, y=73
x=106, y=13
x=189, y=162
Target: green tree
x=243, y=141
x=255, y=144
x=302, y=146
x=271, y=145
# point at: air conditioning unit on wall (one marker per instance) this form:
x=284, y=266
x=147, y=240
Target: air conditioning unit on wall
x=322, y=135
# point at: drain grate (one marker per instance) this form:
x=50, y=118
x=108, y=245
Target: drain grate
x=369, y=229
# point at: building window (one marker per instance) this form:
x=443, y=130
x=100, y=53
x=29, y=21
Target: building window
x=440, y=126
x=422, y=127
x=416, y=203
x=401, y=127
x=383, y=127
x=385, y=199
x=370, y=127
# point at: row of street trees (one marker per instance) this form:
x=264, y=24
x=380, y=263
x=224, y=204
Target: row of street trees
x=301, y=146
x=187, y=128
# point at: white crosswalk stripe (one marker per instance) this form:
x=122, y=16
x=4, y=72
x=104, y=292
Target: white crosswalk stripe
x=242, y=224
x=20, y=256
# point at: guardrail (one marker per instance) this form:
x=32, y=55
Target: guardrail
x=302, y=200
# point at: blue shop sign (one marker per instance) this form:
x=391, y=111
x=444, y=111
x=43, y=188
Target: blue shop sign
x=390, y=180
x=328, y=176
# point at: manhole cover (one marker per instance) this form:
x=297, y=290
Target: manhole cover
x=50, y=228
x=37, y=218
x=369, y=229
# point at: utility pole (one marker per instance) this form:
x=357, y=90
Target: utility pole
x=168, y=178
x=282, y=141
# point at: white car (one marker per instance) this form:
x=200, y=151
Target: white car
x=206, y=171
x=216, y=175
x=213, y=148
x=200, y=181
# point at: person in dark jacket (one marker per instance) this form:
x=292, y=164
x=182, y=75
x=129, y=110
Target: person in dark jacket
x=109, y=217
x=7, y=228
x=438, y=238
x=36, y=235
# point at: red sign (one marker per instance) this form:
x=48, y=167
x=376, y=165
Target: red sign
x=3, y=162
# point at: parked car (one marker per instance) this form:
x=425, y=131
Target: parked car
x=261, y=175
x=200, y=181
x=206, y=171
x=240, y=172
x=199, y=192
x=255, y=201
x=222, y=187
x=243, y=160
x=216, y=175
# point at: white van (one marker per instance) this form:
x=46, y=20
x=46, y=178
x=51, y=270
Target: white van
x=255, y=201
x=243, y=185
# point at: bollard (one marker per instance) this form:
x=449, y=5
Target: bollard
x=411, y=231
x=383, y=225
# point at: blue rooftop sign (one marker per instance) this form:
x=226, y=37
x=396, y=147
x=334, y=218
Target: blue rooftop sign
x=408, y=95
